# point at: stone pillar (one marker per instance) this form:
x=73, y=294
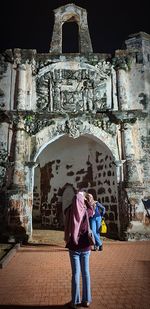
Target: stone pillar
x=56, y=97
x=138, y=228
x=134, y=187
x=19, y=195
x=19, y=172
x=56, y=43
x=21, y=97
x=122, y=88
x=134, y=171
x=85, y=40
x=20, y=214
x=119, y=170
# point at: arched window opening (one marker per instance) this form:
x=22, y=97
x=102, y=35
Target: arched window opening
x=70, y=38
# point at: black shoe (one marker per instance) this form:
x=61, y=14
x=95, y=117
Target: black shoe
x=100, y=248
x=86, y=304
x=71, y=305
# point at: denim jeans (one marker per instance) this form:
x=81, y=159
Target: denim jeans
x=80, y=264
x=95, y=224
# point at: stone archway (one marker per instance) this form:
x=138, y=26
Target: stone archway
x=96, y=170
x=87, y=173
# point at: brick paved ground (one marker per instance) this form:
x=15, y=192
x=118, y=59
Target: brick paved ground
x=38, y=276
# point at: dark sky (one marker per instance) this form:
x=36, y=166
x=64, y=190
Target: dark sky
x=28, y=24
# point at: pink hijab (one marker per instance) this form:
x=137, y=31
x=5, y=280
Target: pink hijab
x=74, y=218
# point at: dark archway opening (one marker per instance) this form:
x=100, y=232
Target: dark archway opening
x=70, y=38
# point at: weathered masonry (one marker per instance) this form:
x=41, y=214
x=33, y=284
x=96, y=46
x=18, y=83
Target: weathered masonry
x=72, y=120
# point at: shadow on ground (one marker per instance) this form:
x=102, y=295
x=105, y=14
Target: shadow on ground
x=65, y=306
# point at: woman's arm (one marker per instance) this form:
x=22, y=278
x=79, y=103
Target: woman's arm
x=101, y=209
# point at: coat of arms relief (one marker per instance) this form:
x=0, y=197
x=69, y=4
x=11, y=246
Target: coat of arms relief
x=73, y=87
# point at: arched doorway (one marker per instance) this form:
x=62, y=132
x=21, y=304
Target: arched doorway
x=84, y=161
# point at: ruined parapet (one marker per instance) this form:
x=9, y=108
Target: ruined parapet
x=139, y=43
x=71, y=13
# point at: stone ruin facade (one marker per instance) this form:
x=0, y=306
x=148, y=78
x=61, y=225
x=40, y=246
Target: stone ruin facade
x=72, y=120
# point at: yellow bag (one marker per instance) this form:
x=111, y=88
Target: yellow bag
x=103, y=228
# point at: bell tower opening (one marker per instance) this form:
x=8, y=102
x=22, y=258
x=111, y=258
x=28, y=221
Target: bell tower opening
x=70, y=32
x=70, y=38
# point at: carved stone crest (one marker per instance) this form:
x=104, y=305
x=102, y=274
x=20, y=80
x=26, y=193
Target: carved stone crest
x=82, y=88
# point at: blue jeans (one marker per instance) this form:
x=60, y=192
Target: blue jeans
x=95, y=224
x=80, y=263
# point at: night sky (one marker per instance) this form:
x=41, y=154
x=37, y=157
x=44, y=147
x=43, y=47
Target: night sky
x=29, y=24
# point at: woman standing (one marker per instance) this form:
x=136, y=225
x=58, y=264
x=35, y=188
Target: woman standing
x=76, y=237
x=95, y=221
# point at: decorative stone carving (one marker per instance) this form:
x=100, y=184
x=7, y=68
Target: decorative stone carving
x=73, y=127
x=104, y=68
x=43, y=92
x=105, y=125
x=33, y=123
x=21, y=95
x=66, y=90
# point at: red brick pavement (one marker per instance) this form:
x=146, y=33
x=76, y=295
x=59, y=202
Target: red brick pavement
x=39, y=277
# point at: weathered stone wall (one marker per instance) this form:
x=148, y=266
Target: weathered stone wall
x=95, y=103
